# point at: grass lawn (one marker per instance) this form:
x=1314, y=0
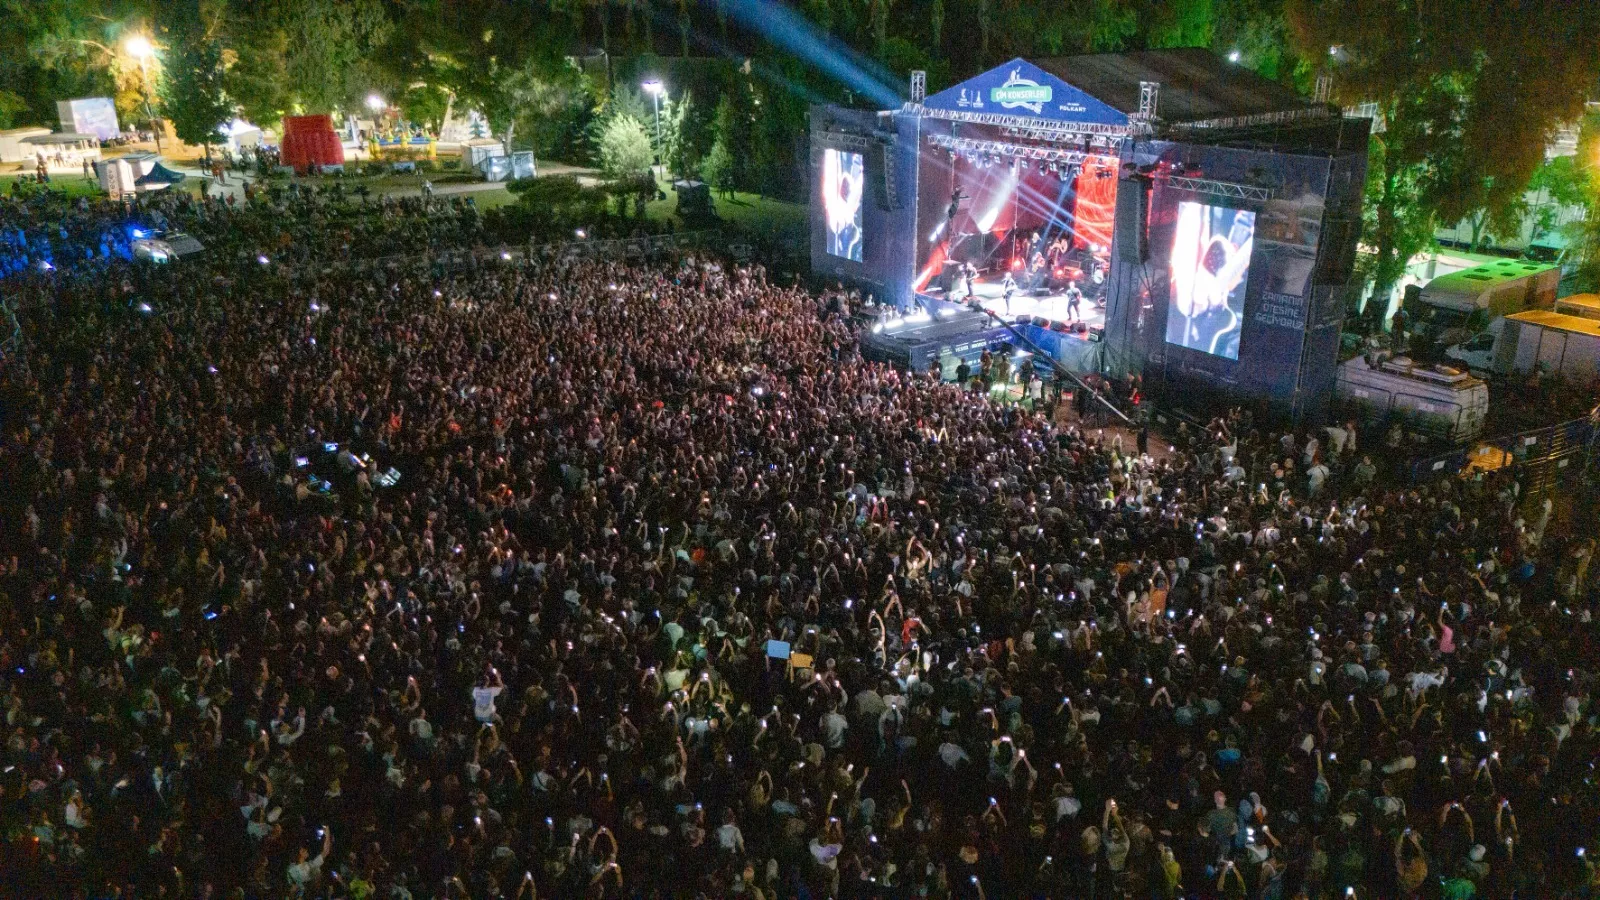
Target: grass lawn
x=73, y=185
x=490, y=199
x=378, y=184
x=745, y=212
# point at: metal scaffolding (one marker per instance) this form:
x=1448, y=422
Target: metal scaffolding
x=1228, y=189
x=1006, y=120
x=1043, y=153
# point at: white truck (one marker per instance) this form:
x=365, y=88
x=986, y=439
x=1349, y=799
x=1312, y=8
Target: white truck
x=1550, y=342
x=1584, y=306
x=1457, y=306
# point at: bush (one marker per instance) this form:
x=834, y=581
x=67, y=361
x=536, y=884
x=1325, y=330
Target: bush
x=450, y=163
x=427, y=165
x=624, y=147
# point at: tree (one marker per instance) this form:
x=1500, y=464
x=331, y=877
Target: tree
x=332, y=50
x=1395, y=222
x=685, y=134
x=255, y=63
x=549, y=107
x=731, y=128
x=685, y=23
x=1586, y=234
x=717, y=168
x=425, y=103
x=624, y=147
x=12, y=108
x=1464, y=117
x=192, y=93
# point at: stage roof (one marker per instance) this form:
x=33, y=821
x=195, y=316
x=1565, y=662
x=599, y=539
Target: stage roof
x=1197, y=86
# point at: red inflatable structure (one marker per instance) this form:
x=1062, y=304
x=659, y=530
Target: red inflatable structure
x=310, y=139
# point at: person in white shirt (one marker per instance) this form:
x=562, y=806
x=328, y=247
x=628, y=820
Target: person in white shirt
x=1316, y=476
x=729, y=837
x=305, y=872
x=1421, y=681
x=834, y=727
x=288, y=735
x=483, y=696
x=952, y=754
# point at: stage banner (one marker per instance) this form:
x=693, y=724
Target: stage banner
x=1020, y=88
x=1096, y=208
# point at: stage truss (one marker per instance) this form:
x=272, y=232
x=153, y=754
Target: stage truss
x=1256, y=193
x=1043, y=153
x=1023, y=123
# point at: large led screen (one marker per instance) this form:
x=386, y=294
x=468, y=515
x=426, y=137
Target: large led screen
x=842, y=182
x=1210, y=262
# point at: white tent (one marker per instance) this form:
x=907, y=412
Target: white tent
x=242, y=134
x=11, y=147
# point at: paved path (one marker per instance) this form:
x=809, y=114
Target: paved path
x=234, y=186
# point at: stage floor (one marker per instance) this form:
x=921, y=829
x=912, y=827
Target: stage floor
x=1046, y=306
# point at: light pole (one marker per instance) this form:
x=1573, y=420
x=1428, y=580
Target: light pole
x=140, y=48
x=655, y=89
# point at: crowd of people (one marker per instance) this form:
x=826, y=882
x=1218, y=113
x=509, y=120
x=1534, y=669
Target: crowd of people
x=604, y=579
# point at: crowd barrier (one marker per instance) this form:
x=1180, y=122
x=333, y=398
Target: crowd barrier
x=637, y=248
x=1547, y=456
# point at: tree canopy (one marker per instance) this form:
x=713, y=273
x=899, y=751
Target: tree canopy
x=1468, y=93
x=1468, y=96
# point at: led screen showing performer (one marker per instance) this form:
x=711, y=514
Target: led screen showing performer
x=1210, y=262
x=842, y=183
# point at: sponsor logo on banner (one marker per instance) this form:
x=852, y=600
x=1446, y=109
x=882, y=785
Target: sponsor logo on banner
x=1021, y=93
x=973, y=102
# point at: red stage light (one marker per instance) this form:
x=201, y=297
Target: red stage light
x=1016, y=263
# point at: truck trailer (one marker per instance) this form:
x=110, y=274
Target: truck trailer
x=1550, y=342
x=1454, y=307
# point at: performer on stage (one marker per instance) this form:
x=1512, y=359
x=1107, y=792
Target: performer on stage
x=1008, y=286
x=1038, y=274
x=1074, y=297
x=955, y=206
x=971, y=273
x=1058, y=250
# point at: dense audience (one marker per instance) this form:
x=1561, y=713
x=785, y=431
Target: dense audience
x=591, y=579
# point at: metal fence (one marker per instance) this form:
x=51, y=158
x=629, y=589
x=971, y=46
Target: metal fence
x=638, y=248
x=1547, y=457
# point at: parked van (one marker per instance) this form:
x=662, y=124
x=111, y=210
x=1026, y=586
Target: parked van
x=1441, y=401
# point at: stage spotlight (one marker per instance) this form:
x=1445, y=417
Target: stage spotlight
x=1016, y=263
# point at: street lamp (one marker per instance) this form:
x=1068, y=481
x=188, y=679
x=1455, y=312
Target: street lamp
x=655, y=89
x=140, y=48
x=376, y=103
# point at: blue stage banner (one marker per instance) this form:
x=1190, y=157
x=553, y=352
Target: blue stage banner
x=1020, y=88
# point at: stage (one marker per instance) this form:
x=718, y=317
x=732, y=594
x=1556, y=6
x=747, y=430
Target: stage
x=1051, y=306
x=1210, y=218
x=952, y=332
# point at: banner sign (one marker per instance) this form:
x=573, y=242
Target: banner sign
x=1020, y=88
